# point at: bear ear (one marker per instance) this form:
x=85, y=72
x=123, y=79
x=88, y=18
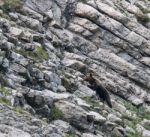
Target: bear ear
x=91, y=75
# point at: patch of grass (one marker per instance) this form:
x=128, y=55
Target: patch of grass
x=83, y=1
x=41, y=53
x=125, y=117
x=26, y=53
x=139, y=111
x=4, y=91
x=132, y=122
x=38, y=54
x=6, y=16
x=11, y=5
x=129, y=106
x=144, y=10
x=145, y=115
x=3, y=81
x=91, y=101
x=3, y=100
x=142, y=18
x=69, y=134
x=147, y=127
x=136, y=134
x=125, y=13
x=56, y=114
x=19, y=110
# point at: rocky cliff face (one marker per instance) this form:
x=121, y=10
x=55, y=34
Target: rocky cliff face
x=48, y=46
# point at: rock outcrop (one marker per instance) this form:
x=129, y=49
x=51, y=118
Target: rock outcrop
x=48, y=46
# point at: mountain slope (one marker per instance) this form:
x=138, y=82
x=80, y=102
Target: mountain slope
x=47, y=47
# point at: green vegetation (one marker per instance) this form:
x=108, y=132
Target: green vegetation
x=91, y=101
x=41, y=53
x=4, y=82
x=11, y=5
x=19, y=110
x=140, y=111
x=69, y=134
x=129, y=106
x=56, y=114
x=144, y=10
x=135, y=135
x=126, y=13
x=142, y=18
x=3, y=100
x=132, y=122
x=38, y=54
x=84, y=1
x=4, y=93
x=4, y=15
x=147, y=127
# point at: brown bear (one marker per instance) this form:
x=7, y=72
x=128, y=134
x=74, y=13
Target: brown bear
x=100, y=90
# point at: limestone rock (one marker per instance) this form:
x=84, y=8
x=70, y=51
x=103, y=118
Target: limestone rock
x=48, y=47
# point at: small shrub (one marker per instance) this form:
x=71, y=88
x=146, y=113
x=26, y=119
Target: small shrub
x=11, y=5
x=56, y=114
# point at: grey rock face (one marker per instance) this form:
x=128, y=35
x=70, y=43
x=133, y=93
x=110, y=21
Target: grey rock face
x=48, y=47
x=13, y=132
x=61, y=89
